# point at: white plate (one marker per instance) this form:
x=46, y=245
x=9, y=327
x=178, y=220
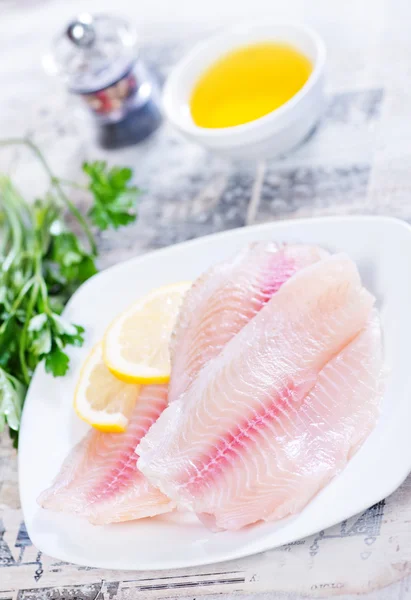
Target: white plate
x=382, y=249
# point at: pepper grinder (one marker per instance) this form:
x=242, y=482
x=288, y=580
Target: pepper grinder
x=99, y=59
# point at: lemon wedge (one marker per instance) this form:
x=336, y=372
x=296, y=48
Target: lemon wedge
x=136, y=344
x=100, y=398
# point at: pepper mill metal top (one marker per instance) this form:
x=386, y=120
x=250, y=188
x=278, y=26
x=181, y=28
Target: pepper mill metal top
x=93, y=52
x=81, y=31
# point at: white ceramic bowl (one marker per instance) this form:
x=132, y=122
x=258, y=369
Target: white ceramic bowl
x=275, y=133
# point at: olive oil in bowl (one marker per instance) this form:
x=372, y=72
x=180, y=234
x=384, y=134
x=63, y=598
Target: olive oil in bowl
x=247, y=84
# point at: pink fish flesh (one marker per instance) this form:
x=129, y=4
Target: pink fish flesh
x=224, y=299
x=99, y=479
x=280, y=410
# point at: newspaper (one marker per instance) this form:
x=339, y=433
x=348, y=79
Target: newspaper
x=362, y=554
x=357, y=161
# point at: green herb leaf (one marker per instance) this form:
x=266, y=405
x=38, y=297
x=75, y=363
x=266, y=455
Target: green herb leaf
x=12, y=394
x=57, y=363
x=41, y=342
x=37, y=323
x=115, y=199
x=72, y=263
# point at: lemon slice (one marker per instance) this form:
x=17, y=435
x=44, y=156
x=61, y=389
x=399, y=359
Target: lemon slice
x=100, y=398
x=136, y=344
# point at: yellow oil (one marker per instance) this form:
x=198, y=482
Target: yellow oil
x=247, y=84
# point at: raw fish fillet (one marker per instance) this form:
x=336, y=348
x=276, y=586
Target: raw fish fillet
x=281, y=409
x=99, y=479
x=327, y=429
x=224, y=299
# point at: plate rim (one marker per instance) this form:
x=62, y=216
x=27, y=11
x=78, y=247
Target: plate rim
x=232, y=232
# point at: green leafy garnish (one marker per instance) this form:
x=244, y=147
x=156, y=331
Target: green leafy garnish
x=115, y=200
x=42, y=262
x=12, y=394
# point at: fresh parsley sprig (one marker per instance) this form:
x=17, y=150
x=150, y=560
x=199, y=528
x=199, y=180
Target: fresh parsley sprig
x=114, y=197
x=42, y=262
